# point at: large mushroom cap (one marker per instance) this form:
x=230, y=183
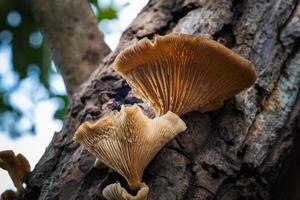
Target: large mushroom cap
x=127, y=140
x=181, y=73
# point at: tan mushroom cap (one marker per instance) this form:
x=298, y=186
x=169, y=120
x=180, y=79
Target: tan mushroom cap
x=126, y=141
x=117, y=192
x=17, y=167
x=182, y=73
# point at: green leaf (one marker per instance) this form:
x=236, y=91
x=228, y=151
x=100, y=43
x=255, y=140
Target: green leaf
x=63, y=110
x=107, y=13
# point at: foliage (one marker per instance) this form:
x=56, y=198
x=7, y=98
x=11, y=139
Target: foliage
x=104, y=12
x=30, y=62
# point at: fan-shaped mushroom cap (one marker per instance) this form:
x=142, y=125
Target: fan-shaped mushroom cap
x=127, y=140
x=17, y=167
x=181, y=73
x=117, y=192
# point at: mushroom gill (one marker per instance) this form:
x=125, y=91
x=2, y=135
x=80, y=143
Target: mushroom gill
x=182, y=73
x=126, y=141
x=117, y=192
x=17, y=167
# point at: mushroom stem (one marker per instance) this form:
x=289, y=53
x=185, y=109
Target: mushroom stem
x=135, y=184
x=20, y=188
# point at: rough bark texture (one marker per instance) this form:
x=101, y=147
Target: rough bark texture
x=236, y=152
x=71, y=31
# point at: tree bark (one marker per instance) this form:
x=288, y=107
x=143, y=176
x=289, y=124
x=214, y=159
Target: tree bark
x=71, y=31
x=236, y=152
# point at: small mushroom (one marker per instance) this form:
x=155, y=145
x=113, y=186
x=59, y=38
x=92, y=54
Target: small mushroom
x=126, y=141
x=117, y=192
x=17, y=167
x=182, y=73
x=9, y=195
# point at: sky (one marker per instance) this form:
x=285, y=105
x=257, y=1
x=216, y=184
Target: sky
x=33, y=146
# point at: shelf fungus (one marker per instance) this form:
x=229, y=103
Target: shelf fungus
x=17, y=167
x=117, y=192
x=182, y=73
x=126, y=141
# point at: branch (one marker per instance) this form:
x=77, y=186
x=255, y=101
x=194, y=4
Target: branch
x=71, y=31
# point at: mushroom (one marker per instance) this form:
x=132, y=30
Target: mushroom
x=117, y=192
x=8, y=195
x=126, y=141
x=182, y=73
x=17, y=167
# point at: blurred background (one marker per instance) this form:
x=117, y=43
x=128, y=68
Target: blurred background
x=33, y=99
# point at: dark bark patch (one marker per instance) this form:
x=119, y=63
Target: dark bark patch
x=226, y=33
x=92, y=56
x=91, y=36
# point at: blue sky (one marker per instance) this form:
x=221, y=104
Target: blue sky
x=34, y=146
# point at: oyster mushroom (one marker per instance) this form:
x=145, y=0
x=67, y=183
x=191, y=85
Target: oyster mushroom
x=117, y=192
x=127, y=141
x=182, y=73
x=17, y=167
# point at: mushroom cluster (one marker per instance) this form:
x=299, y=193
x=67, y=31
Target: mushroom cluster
x=175, y=74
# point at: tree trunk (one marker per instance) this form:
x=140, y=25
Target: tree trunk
x=236, y=152
x=64, y=23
